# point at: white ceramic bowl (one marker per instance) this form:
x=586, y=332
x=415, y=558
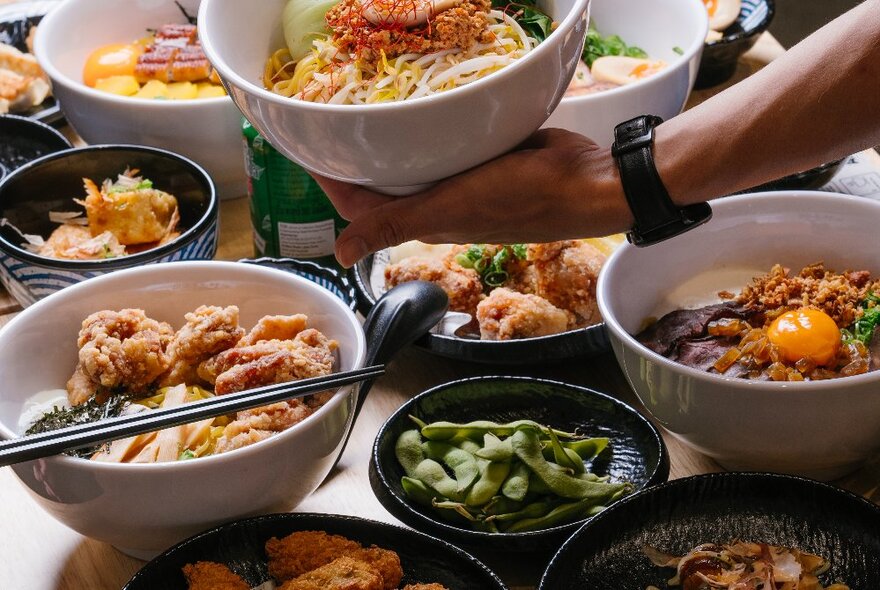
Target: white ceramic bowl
x=394, y=147
x=206, y=130
x=657, y=26
x=820, y=429
x=143, y=509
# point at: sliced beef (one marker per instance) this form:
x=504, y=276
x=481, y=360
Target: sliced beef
x=701, y=353
x=687, y=324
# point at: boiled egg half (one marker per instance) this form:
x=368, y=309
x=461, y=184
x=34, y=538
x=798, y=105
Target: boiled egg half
x=805, y=333
x=722, y=13
x=621, y=70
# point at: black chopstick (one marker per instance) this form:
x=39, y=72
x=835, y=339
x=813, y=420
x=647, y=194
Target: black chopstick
x=45, y=444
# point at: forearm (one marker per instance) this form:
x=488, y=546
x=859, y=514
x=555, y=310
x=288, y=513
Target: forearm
x=818, y=102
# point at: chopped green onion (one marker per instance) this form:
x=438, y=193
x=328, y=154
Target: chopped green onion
x=678, y=50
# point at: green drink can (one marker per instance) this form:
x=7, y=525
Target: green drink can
x=290, y=214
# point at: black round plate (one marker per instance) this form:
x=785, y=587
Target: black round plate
x=606, y=554
x=240, y=545
x=718, y=62
x=638, y=453
x=23, y=140
x=585, y=342
x=16, y=21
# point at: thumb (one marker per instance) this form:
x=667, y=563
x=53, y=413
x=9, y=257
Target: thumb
x=381, y=227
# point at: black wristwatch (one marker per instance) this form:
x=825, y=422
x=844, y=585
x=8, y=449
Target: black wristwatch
x=657, y=218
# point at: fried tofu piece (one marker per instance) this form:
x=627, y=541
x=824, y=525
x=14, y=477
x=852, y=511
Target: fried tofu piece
x=304, y=551
x=208, y=575
x=136, y=216
x=508, y=315
x=343, y=573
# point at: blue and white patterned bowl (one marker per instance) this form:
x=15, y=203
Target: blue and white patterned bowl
x=719, y=60
x=51, y=182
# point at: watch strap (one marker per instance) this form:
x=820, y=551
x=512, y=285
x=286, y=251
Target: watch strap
x=656, y=217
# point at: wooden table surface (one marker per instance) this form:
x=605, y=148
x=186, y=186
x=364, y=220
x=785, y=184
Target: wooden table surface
x=37, y=553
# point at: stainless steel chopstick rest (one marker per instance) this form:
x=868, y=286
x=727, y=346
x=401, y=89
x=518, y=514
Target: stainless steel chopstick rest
x=53, y=442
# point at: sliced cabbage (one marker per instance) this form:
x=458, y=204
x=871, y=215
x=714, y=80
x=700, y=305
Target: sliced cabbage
x=303, y=21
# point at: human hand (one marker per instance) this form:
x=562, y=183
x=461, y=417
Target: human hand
x=557, y=185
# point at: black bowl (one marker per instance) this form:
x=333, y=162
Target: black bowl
x=638, y=453
x=584, y=342
x=16, y=21
x=719, y=57
x=606, y=554
x=23, y=140
x=240, y=545
x=50, y=183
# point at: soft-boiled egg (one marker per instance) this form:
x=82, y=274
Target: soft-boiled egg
x=805, y=333
x=111, y=60
x=722, y=13
x=618, y=69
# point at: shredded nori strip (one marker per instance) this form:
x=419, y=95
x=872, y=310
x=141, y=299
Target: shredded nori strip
x=90, y=411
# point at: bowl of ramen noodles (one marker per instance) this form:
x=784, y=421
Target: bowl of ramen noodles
x=168, y=334
x=83, y=212
x=367, y=91
x=134, y=72
x=640, y=56
x=755, y=340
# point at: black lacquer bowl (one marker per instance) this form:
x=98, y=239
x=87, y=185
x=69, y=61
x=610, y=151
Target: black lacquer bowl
x=240, y=546
x=23, y=140
x=638, y=454
x=584, y=342
x=606, y=554
x=719, y=59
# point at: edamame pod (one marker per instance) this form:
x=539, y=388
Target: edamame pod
x=492, y=476
x=435, y=477
x=495, y=449
x=562, y=514
x=476, y=429
x=408, y=450
x=462, y=463
x=527, y=447
x=516, y=486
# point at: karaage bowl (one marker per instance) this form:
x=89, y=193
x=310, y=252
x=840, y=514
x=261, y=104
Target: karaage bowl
x=144, y=508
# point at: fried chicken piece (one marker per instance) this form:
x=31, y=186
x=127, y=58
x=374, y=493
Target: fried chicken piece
x=433, y=586
x=208, y=331
x=258, y=424
x=275, y=327
x=566, y=277
x=462, y=285
x=304, y=551
x=384, y=561
x=75, y=242
x=80, y=387
x=343, y=573
x=121, y=350
x=309, y=354
x=208, y=575
x=508, y=315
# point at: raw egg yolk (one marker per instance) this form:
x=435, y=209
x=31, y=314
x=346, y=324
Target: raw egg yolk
x=711, y=6
x=111, y=60
x=805, y=333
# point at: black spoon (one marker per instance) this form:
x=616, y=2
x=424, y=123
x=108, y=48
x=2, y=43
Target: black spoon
x=400, y=317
